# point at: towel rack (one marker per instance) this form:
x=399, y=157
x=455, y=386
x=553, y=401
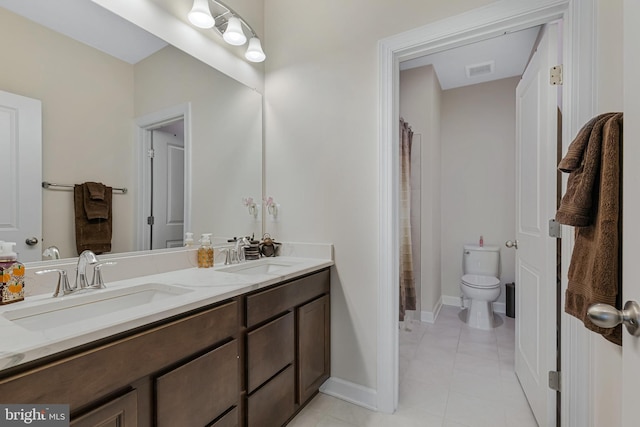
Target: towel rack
x=46, y=184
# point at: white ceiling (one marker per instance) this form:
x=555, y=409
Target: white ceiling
x=89, y=23
x=509, y=54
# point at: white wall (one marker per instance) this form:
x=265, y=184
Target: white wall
x=478, y=175
x=321, y=124
x=420, y=99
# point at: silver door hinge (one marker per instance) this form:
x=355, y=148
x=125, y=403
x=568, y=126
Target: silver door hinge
x=151, y=153
x=150, y=220
x=554, y=380
x=554, y=229
x=556, y=75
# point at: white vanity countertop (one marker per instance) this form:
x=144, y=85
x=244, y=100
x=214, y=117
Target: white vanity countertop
x=201, y=287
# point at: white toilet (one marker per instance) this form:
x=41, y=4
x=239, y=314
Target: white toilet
x=480, y=283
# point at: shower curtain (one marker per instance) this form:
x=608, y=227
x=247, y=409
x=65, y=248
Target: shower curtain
x=407, y=281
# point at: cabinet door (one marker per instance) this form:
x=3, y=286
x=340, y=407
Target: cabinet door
x=314, y=348
x=120, y=412
x=197, y=392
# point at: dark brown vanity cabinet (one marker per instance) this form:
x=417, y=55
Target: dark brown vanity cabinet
x=287, y=347
x=249, y=361
x=183, y=371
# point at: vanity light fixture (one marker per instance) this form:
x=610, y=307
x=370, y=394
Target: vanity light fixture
x=228, y=24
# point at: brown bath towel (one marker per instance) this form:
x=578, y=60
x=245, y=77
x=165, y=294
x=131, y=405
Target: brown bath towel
x=592, y=204
x=95, y=233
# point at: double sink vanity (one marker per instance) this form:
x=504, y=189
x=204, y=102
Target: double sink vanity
x=235, y=345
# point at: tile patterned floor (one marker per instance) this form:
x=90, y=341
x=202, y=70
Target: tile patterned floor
x=450, y=376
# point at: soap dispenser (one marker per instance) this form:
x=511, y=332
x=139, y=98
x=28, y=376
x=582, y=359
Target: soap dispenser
x=205, y=251
x=188, y=240
x=11, y=275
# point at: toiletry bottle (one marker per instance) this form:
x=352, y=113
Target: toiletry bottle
x=188, y=240
x=11, y=275
x=205, y=252
x=481, y=241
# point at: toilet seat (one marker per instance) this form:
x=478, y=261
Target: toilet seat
x=480, y=282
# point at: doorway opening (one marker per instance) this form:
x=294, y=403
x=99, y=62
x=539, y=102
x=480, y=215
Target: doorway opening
x=164, y=170
x=489, y=21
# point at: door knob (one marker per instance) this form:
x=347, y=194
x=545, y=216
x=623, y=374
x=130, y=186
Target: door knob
x=31, y=241
x=511, y=244
x=607, y=316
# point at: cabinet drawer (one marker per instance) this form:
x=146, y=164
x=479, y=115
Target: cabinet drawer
x=273, y=404
x=269, y=349
x=266, y=304
x=230, y=419
x=119, y=412
x=87, y=376
x=197, y=392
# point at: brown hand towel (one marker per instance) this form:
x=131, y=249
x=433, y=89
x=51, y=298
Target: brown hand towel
x=92, y=234
x=592, y=204
x=582, y=161
x=95, y=204
x=96, y=190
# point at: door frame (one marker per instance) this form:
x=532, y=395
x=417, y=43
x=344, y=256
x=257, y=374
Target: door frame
x=579, y=55
x=143, y=127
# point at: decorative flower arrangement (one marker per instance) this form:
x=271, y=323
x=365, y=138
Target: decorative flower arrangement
x=251, y=206
x=271, y=205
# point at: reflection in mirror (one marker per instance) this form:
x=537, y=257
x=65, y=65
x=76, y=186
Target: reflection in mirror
x=90, y=103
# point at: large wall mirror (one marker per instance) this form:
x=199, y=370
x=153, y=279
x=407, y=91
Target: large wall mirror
x=93, y=105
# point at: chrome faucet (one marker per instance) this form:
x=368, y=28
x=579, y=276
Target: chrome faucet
x=52, y=251
x=63, y=281
x=86, y=258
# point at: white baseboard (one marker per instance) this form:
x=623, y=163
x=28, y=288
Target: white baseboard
x=351, y=392
x=449, y=300
x=498, y=307
x=431, y=316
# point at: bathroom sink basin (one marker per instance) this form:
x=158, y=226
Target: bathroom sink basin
x=262, y=266
x=55, y=313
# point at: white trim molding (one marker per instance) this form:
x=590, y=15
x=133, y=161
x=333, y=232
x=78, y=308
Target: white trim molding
x=350, y=392
x=494, y=19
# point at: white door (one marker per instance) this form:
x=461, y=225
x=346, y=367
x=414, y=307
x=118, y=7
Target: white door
x=21, y=174
x=631, y=209
x=168, y=190
x=536, y=113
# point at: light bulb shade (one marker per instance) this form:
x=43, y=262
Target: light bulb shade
x=254, y=51
x=200, y=15
x=234, y=34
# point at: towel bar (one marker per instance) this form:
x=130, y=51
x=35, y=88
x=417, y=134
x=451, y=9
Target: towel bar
x=46, y=184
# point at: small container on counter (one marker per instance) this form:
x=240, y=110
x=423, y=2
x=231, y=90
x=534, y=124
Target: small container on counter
x=11, y=275
x=205, y=252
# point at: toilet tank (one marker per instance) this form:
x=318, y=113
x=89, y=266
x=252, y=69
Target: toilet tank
x=484, y=261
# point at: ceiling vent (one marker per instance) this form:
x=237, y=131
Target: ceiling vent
x=482, y=69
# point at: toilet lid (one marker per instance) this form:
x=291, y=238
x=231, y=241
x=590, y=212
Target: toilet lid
x=477, y=281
